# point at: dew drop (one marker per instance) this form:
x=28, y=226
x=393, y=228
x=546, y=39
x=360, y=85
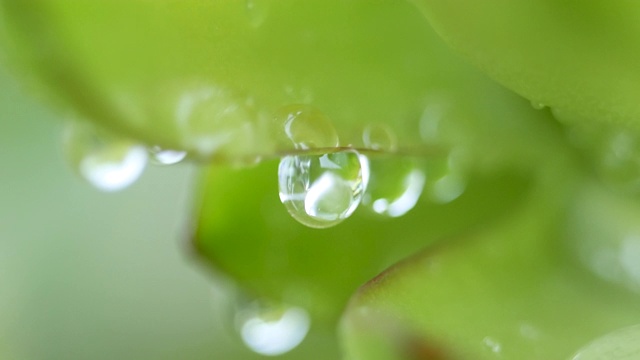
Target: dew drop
x=379, y=137
x=161, y=156
x=623, y=344
x=107, y=162
x=445, y=180
x=306, y=128
x=395, y=185
x=321, y=191
x=211, y=120
x=270, y=329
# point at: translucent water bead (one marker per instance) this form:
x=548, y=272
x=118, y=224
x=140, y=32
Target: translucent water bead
x=107, y=162
x=271, y=329
x=160, y=156
x=395, y=185
x=321, y=191
x=305, y=127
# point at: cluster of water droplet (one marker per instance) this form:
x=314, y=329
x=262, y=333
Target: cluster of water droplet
x=326, y=183
x=108, y=162
x=320, y=183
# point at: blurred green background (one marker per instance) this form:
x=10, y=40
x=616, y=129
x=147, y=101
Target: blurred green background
x=89, y=275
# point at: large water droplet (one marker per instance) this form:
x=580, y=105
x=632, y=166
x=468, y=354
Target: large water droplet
x=379, y=137
x=107, y=162
x=321, y=191
x=272, y=330
x=623, y=344
x=395, y=185
x=305, y=127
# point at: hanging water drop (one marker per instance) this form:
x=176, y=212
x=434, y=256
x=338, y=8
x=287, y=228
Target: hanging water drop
x=623, y=344
x=305, y=127
x=395, y=185
x=107, y=162
x=321, y=191
x=272, y=329
x=446, y=181
x=379, y=137
x=161, y=156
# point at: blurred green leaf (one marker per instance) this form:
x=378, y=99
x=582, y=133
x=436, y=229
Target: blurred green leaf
x=512, y=291
x=577, y=57
x=244, y=231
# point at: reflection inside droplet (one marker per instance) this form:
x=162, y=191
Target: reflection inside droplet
x=275, y=330
x=166, y=157
x=107, y=162
x=322, y=190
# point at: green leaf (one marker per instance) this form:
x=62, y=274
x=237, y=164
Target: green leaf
x=213, y=76
x=512, y=291
x=244, y=231
x=576, y=57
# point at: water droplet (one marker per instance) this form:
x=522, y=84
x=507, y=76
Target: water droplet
x=256, y=12
x=166, y=157
x=272, y=330
x=379, y=137
x=321, y=191
x=212, y=120
x=107, y=162
x=306, y=127
x=395, y=185
x=537, y=105
x=623, y=344
x=445, y=179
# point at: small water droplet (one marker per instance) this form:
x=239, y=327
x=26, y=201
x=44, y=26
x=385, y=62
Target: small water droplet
x=537, y=105
x=379, y=137
x=107, y=162
x=321, y=191
x=623, y=344
x=395, y=185
x=161, y=156
x=445, y=179
x=212, y=120
x=257, y=11
x=272, y=329
x=306, y=127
